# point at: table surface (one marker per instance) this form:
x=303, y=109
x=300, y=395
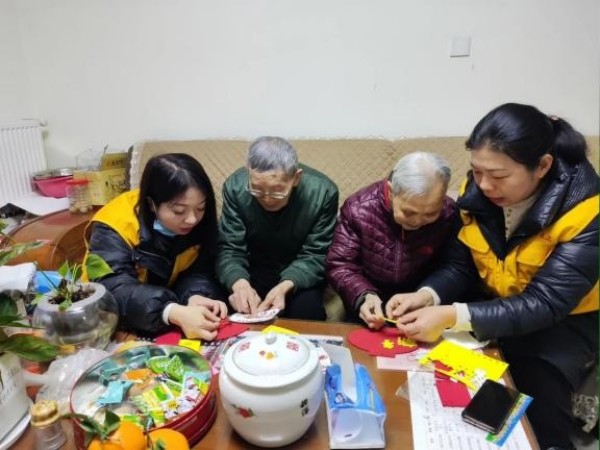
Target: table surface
x=398, y=429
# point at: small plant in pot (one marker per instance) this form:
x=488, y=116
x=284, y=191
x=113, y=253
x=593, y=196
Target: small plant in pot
x=77, y=314
x=14, y=402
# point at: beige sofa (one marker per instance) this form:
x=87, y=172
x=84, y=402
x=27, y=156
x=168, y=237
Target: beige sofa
x=350, y=163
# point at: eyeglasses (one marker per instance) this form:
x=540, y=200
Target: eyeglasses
x=261, y=194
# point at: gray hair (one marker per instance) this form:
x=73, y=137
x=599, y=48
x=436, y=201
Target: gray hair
x=269, y=153
x=417, y=174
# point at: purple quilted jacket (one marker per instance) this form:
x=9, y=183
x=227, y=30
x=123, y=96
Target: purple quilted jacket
x=371, y=253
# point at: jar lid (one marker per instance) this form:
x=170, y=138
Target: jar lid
x=270, y=360
x=78, y=182
x=44, y=413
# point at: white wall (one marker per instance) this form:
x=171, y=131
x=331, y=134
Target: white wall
x=116, y=71
x=15, y=96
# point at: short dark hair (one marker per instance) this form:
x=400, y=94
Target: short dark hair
x=525, y=134
x=168, y=176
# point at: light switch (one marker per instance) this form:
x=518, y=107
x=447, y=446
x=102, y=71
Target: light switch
x=460, y=46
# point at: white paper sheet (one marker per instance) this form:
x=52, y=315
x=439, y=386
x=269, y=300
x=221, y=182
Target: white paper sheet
x=436, y=427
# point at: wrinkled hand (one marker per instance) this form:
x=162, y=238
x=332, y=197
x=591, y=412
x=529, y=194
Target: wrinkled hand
x=371, y=312
x=195, y=321
x=400, y=304
x=276, y=296
x=427, y=324
x=244, y=298
x=215, y=306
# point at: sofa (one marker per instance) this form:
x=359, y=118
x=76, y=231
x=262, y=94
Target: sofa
x=350, y=163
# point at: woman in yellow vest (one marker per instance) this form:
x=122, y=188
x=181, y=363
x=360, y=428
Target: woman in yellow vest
x=160, y=241
x=529, y=238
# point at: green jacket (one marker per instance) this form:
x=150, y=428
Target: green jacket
x=269, y=247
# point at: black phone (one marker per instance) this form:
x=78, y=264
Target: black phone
x=490, y=406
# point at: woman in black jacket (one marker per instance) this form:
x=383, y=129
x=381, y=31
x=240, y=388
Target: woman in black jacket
x=529, y=237
x=160, y=242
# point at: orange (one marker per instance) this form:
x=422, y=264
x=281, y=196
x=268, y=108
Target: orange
x=127, y=437
x=173, y=440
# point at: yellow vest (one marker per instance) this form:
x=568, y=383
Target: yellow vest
x=511, y=276
x=119, y=214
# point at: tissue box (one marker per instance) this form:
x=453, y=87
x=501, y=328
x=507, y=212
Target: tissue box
x=108, y=181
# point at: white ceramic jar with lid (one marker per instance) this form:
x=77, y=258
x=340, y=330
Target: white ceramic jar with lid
x=271, y=388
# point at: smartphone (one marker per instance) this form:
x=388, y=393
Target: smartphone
x=490, y=406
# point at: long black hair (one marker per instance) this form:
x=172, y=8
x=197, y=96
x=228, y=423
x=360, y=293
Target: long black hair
x=168, y=176
x=525, y=134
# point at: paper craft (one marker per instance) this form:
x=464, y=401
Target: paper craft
x=263, y=316
x=170, y=338
x=467, y=366
x=388, y=341
x=451, y=392
x=228, y=329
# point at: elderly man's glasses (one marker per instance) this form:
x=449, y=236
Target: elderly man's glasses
x=261, y=194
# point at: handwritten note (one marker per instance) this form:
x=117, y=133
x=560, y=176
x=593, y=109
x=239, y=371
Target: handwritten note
x=435, y=427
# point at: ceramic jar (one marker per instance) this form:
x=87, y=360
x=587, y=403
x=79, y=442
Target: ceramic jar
x=86, y=323
x=271, y=388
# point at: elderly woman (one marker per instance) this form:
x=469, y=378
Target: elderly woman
x=389, y=235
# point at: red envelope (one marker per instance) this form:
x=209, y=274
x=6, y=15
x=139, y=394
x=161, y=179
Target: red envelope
x=170, y=338
x=452, y=393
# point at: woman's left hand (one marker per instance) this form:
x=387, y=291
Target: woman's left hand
x=217, y=307
x=427, y=324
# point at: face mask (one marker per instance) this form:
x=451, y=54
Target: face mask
x=158, y=226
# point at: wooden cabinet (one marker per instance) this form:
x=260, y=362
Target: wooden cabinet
x=64, y=233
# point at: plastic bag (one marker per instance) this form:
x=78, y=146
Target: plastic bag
x=63, y=373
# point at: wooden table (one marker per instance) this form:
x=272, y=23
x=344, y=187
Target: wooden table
x=398, y=430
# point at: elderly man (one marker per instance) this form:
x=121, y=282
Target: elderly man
x=389, y=235
x=276, y=225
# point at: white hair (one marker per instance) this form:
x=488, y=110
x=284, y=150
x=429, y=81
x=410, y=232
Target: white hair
x=269, y=153
x=418, y=173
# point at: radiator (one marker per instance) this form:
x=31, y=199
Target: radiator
x=21, y=155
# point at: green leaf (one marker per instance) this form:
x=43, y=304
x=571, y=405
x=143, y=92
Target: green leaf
x=96, y=267
x=159, y=445
x=29, y=347
x=76, y=272
x=7, y=306
x=64, y=305
x=63, y=270
x=38, y=298
x=111, y=422
x=13, y=321
x=16, y=249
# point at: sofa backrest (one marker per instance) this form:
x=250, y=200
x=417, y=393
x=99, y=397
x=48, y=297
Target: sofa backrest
x=350, y=163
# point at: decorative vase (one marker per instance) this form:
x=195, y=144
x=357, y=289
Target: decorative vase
x=89, y=322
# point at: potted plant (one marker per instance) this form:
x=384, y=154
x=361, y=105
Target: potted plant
x=76, y=314
x=13, y=399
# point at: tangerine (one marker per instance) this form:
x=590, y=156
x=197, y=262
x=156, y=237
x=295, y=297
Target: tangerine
x=172, y=439
x=127, y=437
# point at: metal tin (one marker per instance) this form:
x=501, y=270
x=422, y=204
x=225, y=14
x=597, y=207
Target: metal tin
x=194, y=424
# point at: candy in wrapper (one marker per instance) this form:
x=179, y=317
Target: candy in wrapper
x=139, y=361
x=110, y=372
x=141, y=375
x=115, y=393
x=158, y=364
x=175, y=368
x=134, y=418
x=158, y=416
x=170, y=408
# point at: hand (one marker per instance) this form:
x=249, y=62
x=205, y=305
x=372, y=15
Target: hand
x=427, y=324
x=244, y=298
x=195, y=321
x=217, y=307
x=276, y=296
x=371, y=313
x=400, y=304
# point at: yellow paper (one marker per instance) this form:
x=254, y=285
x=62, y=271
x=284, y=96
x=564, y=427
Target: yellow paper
x=191, y=343
x=465, y=364
x=280, y=330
